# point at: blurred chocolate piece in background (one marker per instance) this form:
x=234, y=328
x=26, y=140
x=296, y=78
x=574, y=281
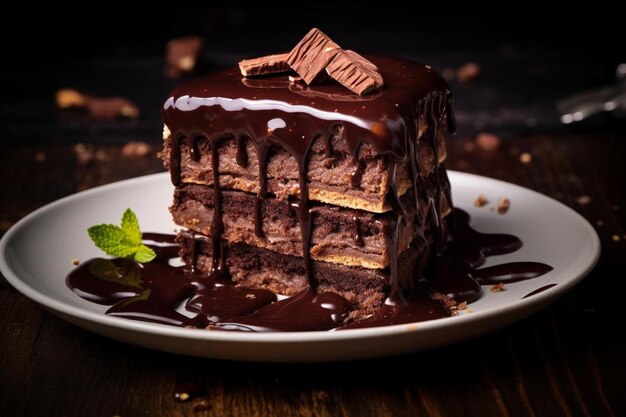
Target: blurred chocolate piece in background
x=98, y=108
x=181, y=55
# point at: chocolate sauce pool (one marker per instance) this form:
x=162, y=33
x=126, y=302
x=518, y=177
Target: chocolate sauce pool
x=176, y=295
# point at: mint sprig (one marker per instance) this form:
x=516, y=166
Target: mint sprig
x=124, y=241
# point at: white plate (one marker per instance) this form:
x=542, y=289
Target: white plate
x=36, y=254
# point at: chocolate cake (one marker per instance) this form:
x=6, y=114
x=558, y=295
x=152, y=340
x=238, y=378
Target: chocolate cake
x=317, y=169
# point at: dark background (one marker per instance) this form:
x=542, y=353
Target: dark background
x=529, y=58
x=567, y=360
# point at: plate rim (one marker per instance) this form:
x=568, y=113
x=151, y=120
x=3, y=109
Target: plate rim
x=50, y=303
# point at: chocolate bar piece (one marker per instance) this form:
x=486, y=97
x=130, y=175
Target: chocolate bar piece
x=311, y=55
x=270, y=64
x=314, y=53
x=354, y=72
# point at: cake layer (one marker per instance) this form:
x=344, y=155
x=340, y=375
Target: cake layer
x=336, y=178
x=339, y=235
x=318, y=142
x=253, y=267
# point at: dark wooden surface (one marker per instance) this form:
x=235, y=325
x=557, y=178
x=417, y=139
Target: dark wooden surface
x=567, y=360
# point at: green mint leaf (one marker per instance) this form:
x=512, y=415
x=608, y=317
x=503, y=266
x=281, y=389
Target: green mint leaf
x=112, y=240
x=124, y=241
x=144, y=254
x=130, y=226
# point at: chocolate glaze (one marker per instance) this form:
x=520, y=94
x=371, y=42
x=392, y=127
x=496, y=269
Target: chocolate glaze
x=158, y=292
x=221, y=103
x=275, y=112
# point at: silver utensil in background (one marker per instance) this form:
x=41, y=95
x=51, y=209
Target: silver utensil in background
x=604, y=99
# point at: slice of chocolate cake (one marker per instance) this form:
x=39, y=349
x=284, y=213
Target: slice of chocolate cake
x=335, y=186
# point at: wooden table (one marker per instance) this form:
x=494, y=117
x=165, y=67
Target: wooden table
x=567, y=360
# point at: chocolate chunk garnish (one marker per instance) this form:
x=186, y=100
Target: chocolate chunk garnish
x=311, y=55
x=314, y=53
x=270, y=64
x=182, y=55
x=354, y=72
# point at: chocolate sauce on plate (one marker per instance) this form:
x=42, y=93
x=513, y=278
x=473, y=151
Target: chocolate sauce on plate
x=176, y=295
x=538, y=290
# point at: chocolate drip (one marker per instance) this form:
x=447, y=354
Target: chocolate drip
x=262, y=149
x=328, y=146
x=390, y=230
x=175, y=162
x=194, y=148
x=197, y=238
x=357, y=174
x=415, y=177
x=242, y=152
x=218, y=267
x=435, y=113
x=392, y=195
x=305, y=218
